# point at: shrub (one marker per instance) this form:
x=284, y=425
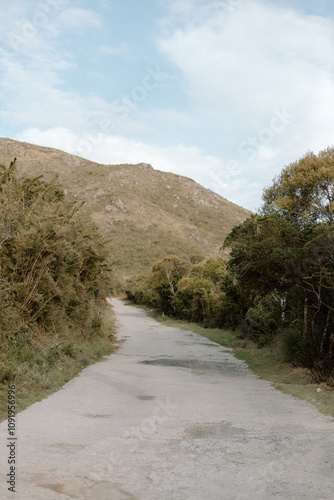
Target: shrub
x=263, y=319
x=53, y=267
x=294, y=348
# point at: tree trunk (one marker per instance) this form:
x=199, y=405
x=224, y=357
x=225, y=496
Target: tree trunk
x=330, y=354
x=325, y=332
x=305, y=333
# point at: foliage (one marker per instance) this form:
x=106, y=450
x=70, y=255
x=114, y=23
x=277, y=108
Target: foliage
x=53, y=267
x=304, y=191
x=162, y=282
x=285, y=275
x=265, y=254
x=199, y=296
x=263, y=318
x=294, y=350
x=279, y=279
x=194, y=299
x=282, y=265
x=140, y=292
x=175, y=289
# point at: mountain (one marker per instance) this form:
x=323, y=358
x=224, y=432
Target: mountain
x=146, y=214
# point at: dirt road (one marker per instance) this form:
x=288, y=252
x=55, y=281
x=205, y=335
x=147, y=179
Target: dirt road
x=170, y=416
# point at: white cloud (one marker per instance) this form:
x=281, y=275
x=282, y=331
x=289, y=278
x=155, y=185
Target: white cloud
x=79, y=18
x=28, y=27
x=254, y=58
x=34, y=95
x=34, y=69
x=247, y=60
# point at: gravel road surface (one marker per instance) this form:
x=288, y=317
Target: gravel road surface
x=170, y=416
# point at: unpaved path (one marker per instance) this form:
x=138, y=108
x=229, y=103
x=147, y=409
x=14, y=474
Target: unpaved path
x=170, y=416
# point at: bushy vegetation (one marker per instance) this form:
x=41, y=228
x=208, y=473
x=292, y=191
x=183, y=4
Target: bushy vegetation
x=279, y=280
x=54, y=278
x=173, y=287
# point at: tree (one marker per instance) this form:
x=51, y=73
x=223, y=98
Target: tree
x=263, y=270
x=318, y=286
x=53, y=260
x=282, y=265
x=304, y=191
x=193, y=299
x=163, y=279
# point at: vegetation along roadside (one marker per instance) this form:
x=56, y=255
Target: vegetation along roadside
x=54, y=280
x=275, y=292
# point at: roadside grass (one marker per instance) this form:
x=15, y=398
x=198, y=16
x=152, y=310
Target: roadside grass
x=44, y=369
x=265, y=362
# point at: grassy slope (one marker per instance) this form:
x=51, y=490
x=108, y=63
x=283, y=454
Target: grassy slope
x=265, y=363
x=146, y=214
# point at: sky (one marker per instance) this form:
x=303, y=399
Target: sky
x=224, y=92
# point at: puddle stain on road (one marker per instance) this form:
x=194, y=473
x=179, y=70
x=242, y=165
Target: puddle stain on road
x=224, y=367
x=183, y=342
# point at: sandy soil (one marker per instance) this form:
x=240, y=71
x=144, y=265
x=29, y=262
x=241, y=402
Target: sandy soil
x=170, y=416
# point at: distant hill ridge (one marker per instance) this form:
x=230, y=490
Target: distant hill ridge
x=146, y=213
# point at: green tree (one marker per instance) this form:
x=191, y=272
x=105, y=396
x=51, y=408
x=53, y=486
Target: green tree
x=318, y=290
x=304, y=190
x=163, y=279
x=281, y=268
x=264, y=268
x=53, y=260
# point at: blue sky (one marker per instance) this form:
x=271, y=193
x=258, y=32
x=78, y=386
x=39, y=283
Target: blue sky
x=225, y=92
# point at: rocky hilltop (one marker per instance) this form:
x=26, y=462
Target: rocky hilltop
x=145, y=213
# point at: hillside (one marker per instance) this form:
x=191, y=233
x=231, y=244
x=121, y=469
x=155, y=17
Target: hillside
x=145, y=213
